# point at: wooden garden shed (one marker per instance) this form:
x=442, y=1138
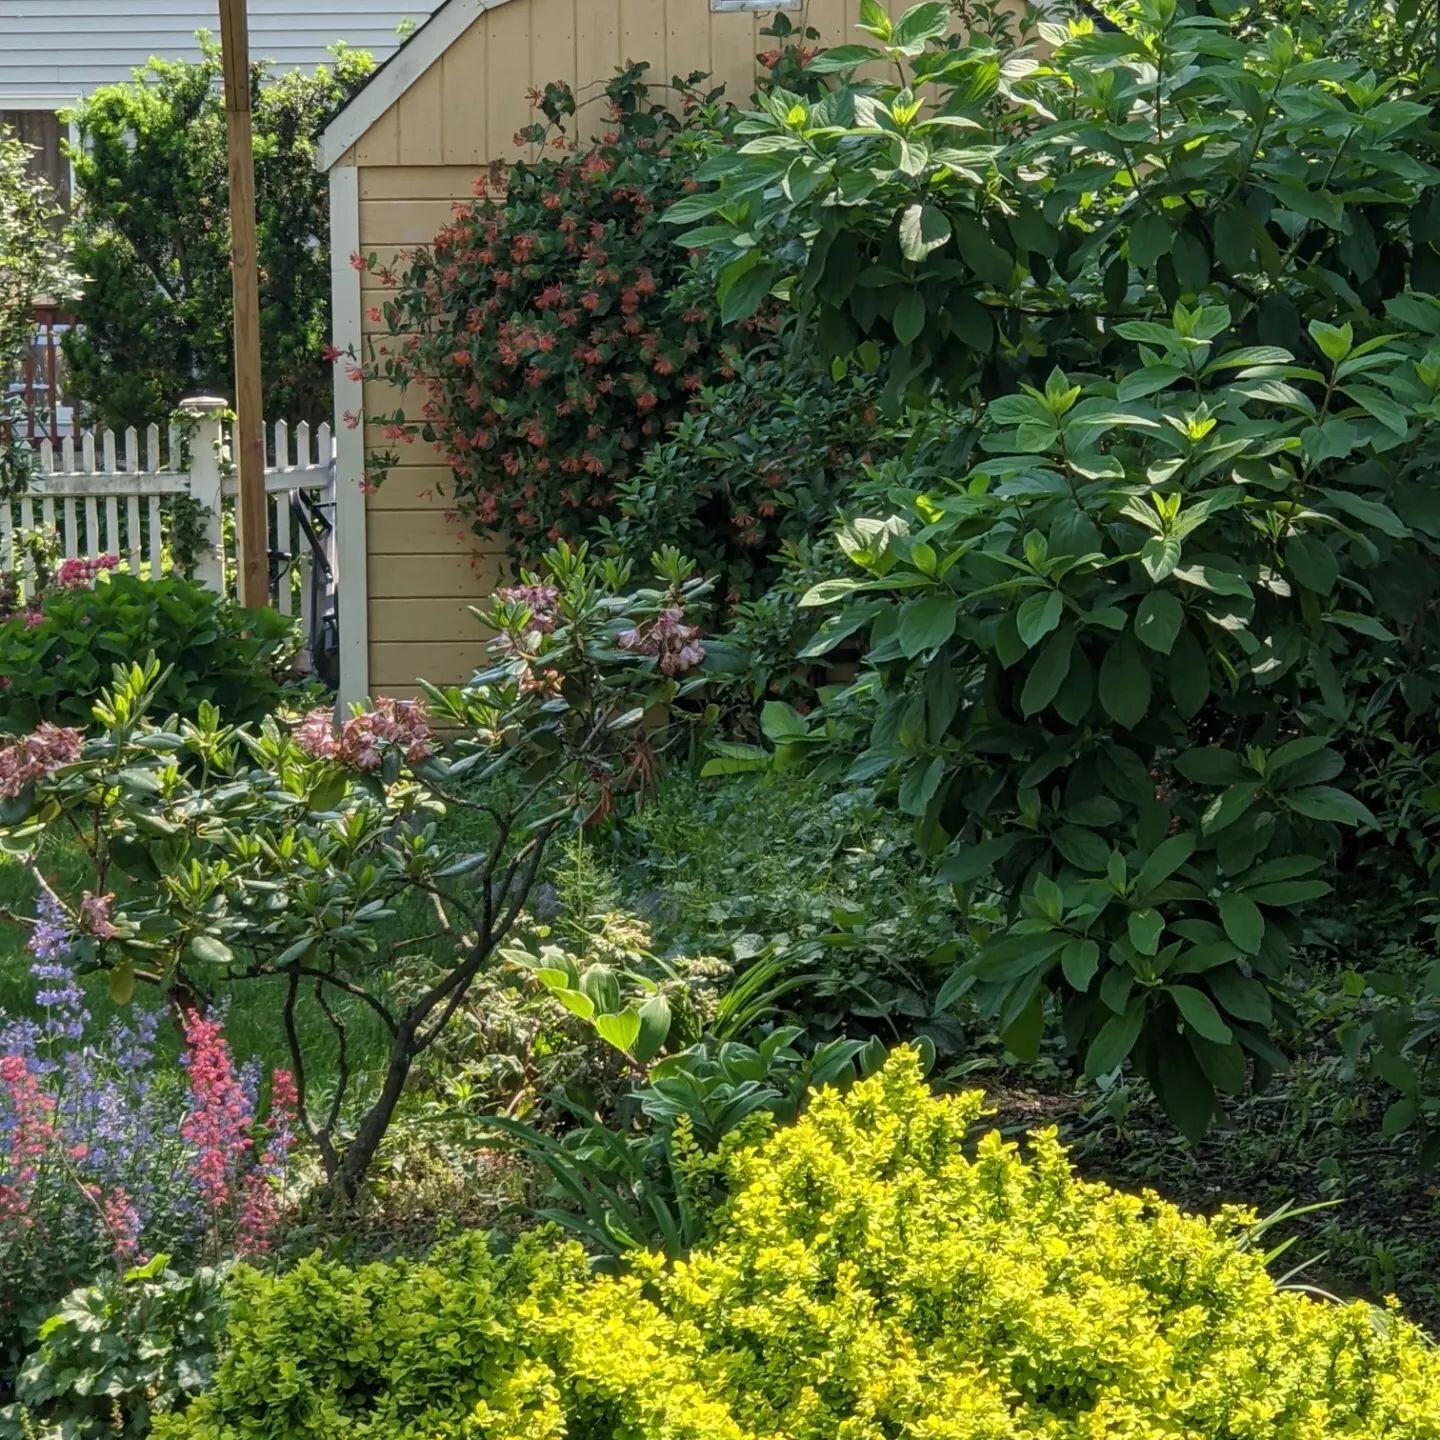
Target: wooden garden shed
x=399, y=156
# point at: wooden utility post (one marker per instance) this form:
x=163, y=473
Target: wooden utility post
x=252, y=540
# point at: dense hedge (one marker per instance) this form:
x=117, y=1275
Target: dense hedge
x=869, y=1278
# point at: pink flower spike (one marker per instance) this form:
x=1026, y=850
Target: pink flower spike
x=218, y=1125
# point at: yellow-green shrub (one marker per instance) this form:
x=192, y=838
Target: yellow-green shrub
x=867, y=1280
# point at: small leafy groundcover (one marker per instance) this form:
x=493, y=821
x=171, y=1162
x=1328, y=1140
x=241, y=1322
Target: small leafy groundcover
x=869, y=1278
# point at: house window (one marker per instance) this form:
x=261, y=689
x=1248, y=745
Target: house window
x=41, y=130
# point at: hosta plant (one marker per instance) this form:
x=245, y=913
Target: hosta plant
x=1121, y=667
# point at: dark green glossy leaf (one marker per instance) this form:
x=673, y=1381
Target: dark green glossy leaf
x=1125, y=683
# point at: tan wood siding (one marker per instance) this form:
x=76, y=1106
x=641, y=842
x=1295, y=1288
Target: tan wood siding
x=466, y=109
x=421, y=157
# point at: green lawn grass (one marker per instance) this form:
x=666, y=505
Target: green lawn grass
x=252, y=1008
x=253, y=1013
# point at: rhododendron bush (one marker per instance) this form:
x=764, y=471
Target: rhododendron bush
x=277, y=855
x=554, y=329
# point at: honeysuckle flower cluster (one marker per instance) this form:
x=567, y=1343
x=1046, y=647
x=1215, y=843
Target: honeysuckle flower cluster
x=35, y=757
x=574, y=343
x=674, y=644
x=362, y=741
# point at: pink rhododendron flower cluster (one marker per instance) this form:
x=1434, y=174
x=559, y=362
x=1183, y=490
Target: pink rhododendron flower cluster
x=76, y=572
x=402, y=725
x=37, y=756
x=539, y=682
x=675, y=645
x=95, y=916
x=540, y=599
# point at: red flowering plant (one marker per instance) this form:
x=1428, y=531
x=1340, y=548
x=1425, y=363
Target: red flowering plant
x=218, y=856
x=553, y=328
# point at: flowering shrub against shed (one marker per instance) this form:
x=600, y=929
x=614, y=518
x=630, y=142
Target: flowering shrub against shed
x=552, y=327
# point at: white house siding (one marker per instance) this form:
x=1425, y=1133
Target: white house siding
x=55, y=51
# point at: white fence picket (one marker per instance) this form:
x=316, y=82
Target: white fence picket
x=156, y=533
x=285, y=598
x=133, y=536
x=27, y=522
x=104, y=493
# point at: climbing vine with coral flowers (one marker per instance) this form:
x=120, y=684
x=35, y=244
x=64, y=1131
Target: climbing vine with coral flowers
x=551, y=331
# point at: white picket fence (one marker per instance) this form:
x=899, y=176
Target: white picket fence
x=114, y=494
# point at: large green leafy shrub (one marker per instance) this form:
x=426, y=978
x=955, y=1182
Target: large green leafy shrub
x=879, y=1270
x=56, y=661
x=1123, y=648
x=977, y=214
x=1394, y=36
x=152, y=238
x=756, y=471
x=1121, y=664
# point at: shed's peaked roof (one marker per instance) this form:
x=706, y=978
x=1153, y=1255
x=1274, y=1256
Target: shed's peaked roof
x=56, y=52
x=423, y=48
